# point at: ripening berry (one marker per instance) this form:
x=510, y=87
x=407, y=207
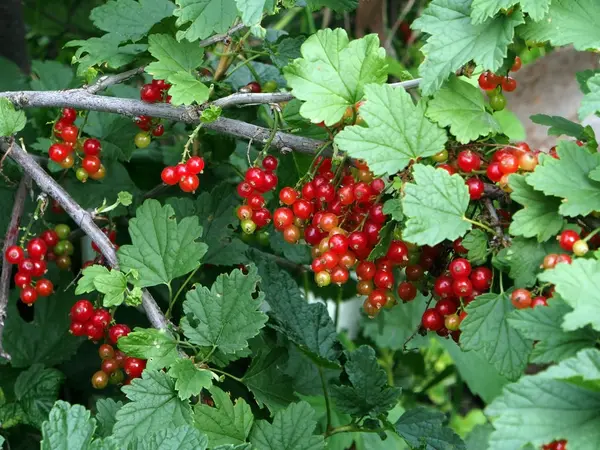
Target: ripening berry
x=567, y=238
x=521, y=298
x=580, y=247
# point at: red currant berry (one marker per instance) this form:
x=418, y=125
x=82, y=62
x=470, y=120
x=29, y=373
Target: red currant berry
x=150, y=93
x=58, y=152
x=117, y=331
x=383, y=279
x=68, y=115
x=432, y=320
x=253, y=87
x=476, y=188
x=288, y=196
x=37, y=248
x=302, y=208
x=376, y=214
x=39, y=268
x=339, y=275
x=82, y=311
x=493, y=172
x=77, y=329
x=308, y=191
x=106, y=351
x=244, y=212
x=92, y=147
x=377, y=298
x=468, y=161
x=460, y=268
x=446, y=306
x=271, y=181
x=458, y=247
x=447, y=167
x=365, y=270
x=158, y=130
x=481, y=278
x=291, y=234
x=169, y=176
x=539, y=301
x=443, y=286
x=517, y=64
x=462, y=287
x=509, y=164
x=91, y=164
x=109, y=365
x=189, y=183
x=14, y=254
x=486, y=82
x=28, y=295
x=244, y=189
x=69, y=133
x=44, y=287
x=397, y=253
x=283, y=218
x=50, y=238
x=377, y=185
x=270, y=163
x=101, y=318
x=26, y=266
x=567, y=238
x=195, y=165
x=407, y=291
x=521, y=298
x=509, y=84
x=261, y=217
x=22, y=279
x=134, y=367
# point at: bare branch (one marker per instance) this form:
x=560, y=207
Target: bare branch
x=82, y=218
x=108, y=80
x=12, y=233
x=221, y=37
x=495, y=221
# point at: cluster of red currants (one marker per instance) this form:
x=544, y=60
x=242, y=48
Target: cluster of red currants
x=495, y=85
x=67, y=153
x=505, y=161
x=257, y=182
x=523, y=298
x=115, y=366
x=156, y=91
x=556, y=445
x=571, y=241
x=184, y=174
x=50, y=245
x=454, y=290
x=111, y=234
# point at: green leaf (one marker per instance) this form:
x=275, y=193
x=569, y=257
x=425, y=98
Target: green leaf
x=543, y=325
x=226, y=315
x=369, y=393
x=336, y=5
x=51, y=76
x=484, y=9
x=85, y=284
x=568, y=179
x=48, y=339
x=436, y=197
x=130, y=20
x=569, y=22
x=590, y=104
x=225, y=423
x=486, y=329
x=423, y=428
x=267, y=381
x=543, y=407
x=159, y=244
x=385, y=238
x=479, y=437
x=251, y=11
x=116, y=134
x=332, y=73
x=391, y=328
x=460, y=106
x=485, y=382
x=524, y=258
x=559, y=126
x=157, y=346
x=217, y=213
x=539, y=217
x=476, y=242
x=583, y=77
x=206, y=16
x=184, y=437
x=104, y=50
x=36, y=390
x=190, y=379
x=578, y=284
x=511, y=125
x=307, y=325
x=292, y=429
x=398, y=131
x=106, y=411
x=113, y=285
x=172, y=57
x=153, y=406
x=454, y=40
x=286, y=51
x=68, y=427
x=11, y=120
x=393, y=208
x=186, y=89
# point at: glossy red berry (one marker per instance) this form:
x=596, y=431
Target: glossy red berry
x=339, y=275
x=169, y=176
x=288, y=196
x=44, y=287
x=69, y=133
x=509, y=84
x=567, y=238
x=377, y=298
x=407, y=291
x=28, y=295
x=77, y=329
x=117, y=331
x=493, y=172
x=302, y=208
x=253, y=87
x=517, y=64
x=443, y=286
x=261, y=217
x=271, y=181
x=365, y=270
x=486, y=81
x=468, y=161
x=82, y=311
x=270, y=163
x=462, y=287
x=521, y=298
x=14, y=254
x=195, y=165
x=92, y=147
x=158, y=130
x=50, y=238
x=398, y=252
x=256, y=178
x=476, y=188
x=481, y=278
x=134, y=367
x=39, y=268
x=101, y=318
x=58, y=152
x=383, y=279
x=68, y=115
x=446, y=306
x=91, y=164
x=106, y=351
x=508, y=164
x=283, y=218
x=432, y=320
x=109, y=365
x=460, y=268
x=22, y=279
x=539, y=301
x=189, y=183
x=150, y=93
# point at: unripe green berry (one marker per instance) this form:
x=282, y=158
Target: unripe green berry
x=580, y=247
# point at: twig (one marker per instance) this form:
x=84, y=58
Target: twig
x=388, y=42
x=495, y=220
x=108, y=80
x=11, y=237
x=414, y=333
x=221, y=37
x=82, y=218
x=494, y=192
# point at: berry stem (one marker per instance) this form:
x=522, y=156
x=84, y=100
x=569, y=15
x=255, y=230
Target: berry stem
x=591, y=235
x=479, y=224
x=327, y=400
x=192, y=137
x=180, y=290
x=227, y=374
x=39, y=210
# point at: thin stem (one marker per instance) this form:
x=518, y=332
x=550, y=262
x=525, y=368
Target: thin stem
x=207, y=357
x=338, y=303
x=352, y=428
x=387, y=362
x=227, y=374
x=180, y=290
x=168, y=314
x=479, y=224
x=191, y=138
x=326, y=396
x=287, y=18
x=310, y=20
x=246, y=63
x=591, y=235
x=39, y=210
